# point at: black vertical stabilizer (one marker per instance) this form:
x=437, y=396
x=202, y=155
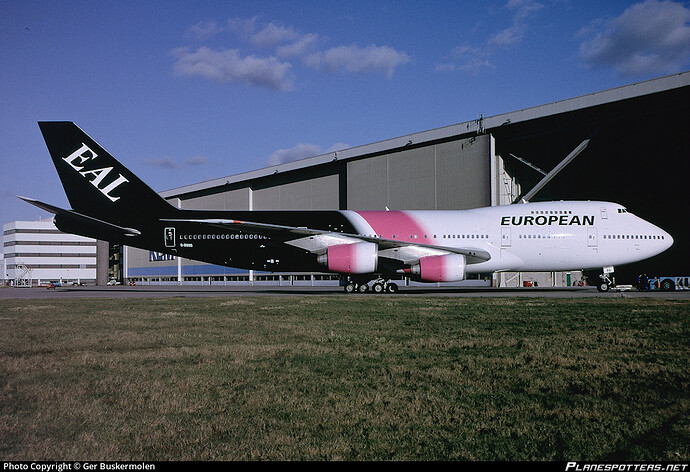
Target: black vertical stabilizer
x=97, y=184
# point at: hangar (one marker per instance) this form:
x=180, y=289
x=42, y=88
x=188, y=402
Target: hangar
x=637, y=156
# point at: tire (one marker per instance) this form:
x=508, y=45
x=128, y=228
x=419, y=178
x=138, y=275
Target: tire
x=667, y=285
x=363, y=288
x=392, y=288
x=378, y=287
x=603, y=287
x=349, y=287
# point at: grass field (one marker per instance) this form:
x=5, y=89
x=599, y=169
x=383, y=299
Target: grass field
x=335, y=378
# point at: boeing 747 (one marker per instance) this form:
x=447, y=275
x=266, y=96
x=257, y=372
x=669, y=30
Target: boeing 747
x=369, y=248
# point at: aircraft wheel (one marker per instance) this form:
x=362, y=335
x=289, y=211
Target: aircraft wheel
x=392, y=288
x=350, y=287
x=363, y=288
x=603, y=287
x=378, y=287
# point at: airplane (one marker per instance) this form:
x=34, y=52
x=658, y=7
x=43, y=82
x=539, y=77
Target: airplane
x=369, y=249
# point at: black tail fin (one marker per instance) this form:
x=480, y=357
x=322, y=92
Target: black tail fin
x=96, y=184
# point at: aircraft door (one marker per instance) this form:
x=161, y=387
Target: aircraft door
x=505, y=236
x=169, y=236
x=592, y=236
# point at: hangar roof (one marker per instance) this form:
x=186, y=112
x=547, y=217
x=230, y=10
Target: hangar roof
x=481, y=125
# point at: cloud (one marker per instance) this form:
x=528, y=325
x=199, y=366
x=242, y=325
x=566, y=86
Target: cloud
x=301, y=151
x=299, y=48
x=243, y=27
x=289, y=47
x=161, y=162
x=650, y=37
x=472, y=59
x=272, y=35
x=467, y=59
x=196, y=161
x=171, y=164
x=203, y=30
x=370, y=59
x=228, y=65
x=516, y=31
x=338, y=147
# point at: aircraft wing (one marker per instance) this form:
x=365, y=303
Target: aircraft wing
x=317, y=241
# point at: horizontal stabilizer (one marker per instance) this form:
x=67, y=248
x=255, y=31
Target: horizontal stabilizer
x=74, y=217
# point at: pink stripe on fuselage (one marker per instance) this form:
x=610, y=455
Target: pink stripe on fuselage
x=397, y=225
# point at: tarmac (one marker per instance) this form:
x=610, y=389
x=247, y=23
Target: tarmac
x=164, y=291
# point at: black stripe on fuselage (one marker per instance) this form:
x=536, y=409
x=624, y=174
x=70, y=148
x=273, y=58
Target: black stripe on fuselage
x=259, y=249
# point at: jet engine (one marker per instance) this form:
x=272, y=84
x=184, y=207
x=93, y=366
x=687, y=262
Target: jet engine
x=356, y=258
x=446, y=268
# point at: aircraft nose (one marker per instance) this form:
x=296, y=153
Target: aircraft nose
x=661, y=239
x=667, y=238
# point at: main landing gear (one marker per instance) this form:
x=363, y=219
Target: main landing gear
x=377, y=286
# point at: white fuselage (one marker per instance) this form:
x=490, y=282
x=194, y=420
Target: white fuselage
x=548, y=236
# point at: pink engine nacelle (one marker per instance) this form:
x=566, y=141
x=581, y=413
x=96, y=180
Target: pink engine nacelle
x=446, y=268
x=356, y=258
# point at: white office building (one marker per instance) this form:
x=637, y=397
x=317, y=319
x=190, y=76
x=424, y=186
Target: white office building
x=36, y=253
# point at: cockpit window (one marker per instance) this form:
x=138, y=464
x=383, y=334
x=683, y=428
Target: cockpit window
x=622, y=210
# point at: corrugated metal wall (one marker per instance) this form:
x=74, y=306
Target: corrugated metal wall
x=230, y=200
x=446, y=176
x=320, y=193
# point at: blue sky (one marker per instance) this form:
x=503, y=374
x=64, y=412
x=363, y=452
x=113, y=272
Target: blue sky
x=182, y=92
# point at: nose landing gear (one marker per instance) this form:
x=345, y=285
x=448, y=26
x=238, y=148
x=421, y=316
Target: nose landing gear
x=605, y=284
